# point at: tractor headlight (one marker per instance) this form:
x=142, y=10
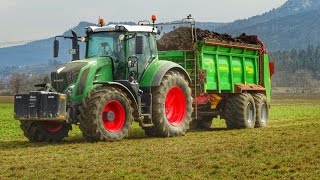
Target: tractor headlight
x=69, y=90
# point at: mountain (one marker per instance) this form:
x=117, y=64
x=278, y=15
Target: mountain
x=291, y=7
x=13, y=43
x=295, y=24
x=39, y=52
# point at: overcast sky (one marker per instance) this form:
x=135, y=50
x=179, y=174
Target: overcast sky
x=37, y=19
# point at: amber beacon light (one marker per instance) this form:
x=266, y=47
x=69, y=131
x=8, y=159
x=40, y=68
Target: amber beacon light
x=101, y=22
x=153, y=18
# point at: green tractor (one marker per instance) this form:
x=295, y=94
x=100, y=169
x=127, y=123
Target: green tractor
x=119, y=81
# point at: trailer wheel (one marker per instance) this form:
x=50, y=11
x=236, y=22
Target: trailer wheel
x=262, y=110
x=172, y=105
x=37, y=131
x=239, y=111
x=105, y=115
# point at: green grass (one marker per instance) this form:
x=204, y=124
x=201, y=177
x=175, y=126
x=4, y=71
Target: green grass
x=289, y=148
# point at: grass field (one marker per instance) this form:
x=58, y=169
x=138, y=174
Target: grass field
x=289, y=148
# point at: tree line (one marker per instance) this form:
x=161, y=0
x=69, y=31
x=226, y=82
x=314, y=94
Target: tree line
x=297, y=69
x=18, y=83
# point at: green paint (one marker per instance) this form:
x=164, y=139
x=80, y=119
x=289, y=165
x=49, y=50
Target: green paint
x=152, y=70
x=266, y=76
x=100, y=70
x=225, y=66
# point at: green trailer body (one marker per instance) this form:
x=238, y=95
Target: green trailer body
x=225, y=67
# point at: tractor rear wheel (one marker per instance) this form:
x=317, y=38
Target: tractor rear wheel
x=105, y=115
x=37, y=131
x=262, y=110
x=172, y=106
x=239, y=111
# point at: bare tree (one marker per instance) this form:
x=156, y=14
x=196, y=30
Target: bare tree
x=35, y=79
x=303, y=81
x=17, y=83
x=1, y=85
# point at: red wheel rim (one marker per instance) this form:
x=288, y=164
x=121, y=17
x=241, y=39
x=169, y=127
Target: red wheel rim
x=175, y=105
x=52, y=127
x=113, y=116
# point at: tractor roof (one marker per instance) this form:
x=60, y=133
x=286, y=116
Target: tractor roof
x=126, y=28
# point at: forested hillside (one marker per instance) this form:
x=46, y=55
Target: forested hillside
x=298, y=69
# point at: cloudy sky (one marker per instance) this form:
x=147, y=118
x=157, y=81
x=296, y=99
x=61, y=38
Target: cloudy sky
x=36, y=19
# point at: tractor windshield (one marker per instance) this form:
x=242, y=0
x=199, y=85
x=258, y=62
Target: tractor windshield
x=106, y=44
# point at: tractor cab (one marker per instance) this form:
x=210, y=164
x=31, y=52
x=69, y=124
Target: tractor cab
x=130, y=47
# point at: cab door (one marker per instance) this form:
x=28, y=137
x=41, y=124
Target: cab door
x=140, y=55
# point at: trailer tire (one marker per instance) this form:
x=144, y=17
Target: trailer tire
x=106, y=114
x=239, y=111
x=262, y=110
x=38, y=131
x=172, y=105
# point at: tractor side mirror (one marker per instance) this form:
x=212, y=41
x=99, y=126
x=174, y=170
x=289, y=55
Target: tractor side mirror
x=139, y=44
x=55, y=48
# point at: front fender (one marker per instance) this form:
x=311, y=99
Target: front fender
x=156, y=71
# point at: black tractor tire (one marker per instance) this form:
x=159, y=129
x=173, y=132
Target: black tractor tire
x=150, y=132
x=205, y=122
x=202, y=123
x=239, y=111
x=171, y=106
x=106, y=114
x=262, y=110
x=51, y=132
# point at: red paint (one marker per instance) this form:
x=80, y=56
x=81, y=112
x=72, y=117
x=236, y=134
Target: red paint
x=175, y=106
x=153, y=18
x=271, y=67
x=52, y=127
x=203, y=99
x=119, y=119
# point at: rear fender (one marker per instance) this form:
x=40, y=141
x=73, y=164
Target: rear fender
x=157, y=71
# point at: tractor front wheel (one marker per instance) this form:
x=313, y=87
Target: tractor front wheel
x=105, y=115
x=37, y=131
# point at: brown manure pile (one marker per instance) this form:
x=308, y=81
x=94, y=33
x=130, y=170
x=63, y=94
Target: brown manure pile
x=181, y=39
